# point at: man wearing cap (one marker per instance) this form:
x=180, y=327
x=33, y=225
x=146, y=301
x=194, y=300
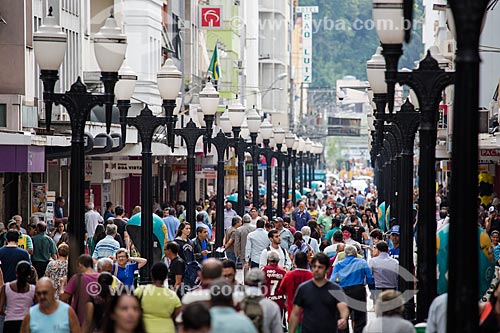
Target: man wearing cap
x=271, y=321
x=285, y=234
x=394, y=250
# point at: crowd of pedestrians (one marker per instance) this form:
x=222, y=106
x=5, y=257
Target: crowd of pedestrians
x=307, y=271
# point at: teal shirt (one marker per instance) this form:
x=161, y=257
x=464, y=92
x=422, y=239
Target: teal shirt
x=43, y=248
x=227, y=320
x=330, y=233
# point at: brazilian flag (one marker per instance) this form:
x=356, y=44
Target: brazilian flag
x=214, y=64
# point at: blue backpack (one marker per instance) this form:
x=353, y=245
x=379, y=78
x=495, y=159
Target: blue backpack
x=190, y=278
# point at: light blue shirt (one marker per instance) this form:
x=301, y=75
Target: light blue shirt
x=257, y=241
x=106, y=248
x=286, y=238
x=436, y=322
x=172, y=223
x=352, y=271
x=385, y=271
x=226, y=320
x=57, y=322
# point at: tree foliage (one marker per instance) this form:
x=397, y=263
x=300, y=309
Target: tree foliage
x=344, y=38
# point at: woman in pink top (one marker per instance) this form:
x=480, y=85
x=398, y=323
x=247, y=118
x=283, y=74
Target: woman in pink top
x=17, y=297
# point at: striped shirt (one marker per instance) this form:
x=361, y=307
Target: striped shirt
x=106, y=248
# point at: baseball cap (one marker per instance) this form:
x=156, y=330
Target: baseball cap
x=395, y=229
x=277, y=219
x=491, y=209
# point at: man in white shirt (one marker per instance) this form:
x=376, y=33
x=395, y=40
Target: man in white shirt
x=254, y=214
x=92, y=219
x=274, y=238
x=257, y=241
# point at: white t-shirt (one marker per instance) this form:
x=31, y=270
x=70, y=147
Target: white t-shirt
x=284, y=257
x=92, y=219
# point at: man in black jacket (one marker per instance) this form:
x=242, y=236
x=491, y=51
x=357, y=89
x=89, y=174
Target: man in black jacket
x=201, y=246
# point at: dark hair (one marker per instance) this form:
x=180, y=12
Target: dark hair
x=200, y=229
x=382, y=246
x=99, y=233
x=354, y=218
x=172, y=246
x=85, y=260
x=159, y=271
x=182, y=226
x=211, y=269
x=261, y=223
x=109, y=323
x=443, y=213
x=23, y=272
x=321, y=258
x=12, y=236
x=59, y=199
x=108, y=204
x=268, y=225
x=271, y=233
x=365, y=215
x=300, y=259
x=298, y=239
x=119, y=210
x=222, y=293
x=200, y=217
x=377, y=233
x=236, y=219
x=105, y=281
x=335, y=223
x=338, y=236
x=287, y=219
x=196, y=316
x=229, y=264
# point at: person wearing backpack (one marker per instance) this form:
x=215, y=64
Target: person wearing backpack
x=264, y=313
x=275, y=239
x=299, y=245
x=311, y=241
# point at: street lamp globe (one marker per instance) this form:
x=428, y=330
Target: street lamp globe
x=279, y=135
x=389, y=21
x=209, y=99
x=49, y=44
x=200, y=117
x=169, y=80
x=127, y=78
x=272, y=142
x=266, y=129
x=236, y=113
x=308, y=146
x=289, y=140
x=225, y=122
x=296, y=142
x=302, y=145
x=110, y=45
x=254, y=120
x=245, y=132
x=375, y=71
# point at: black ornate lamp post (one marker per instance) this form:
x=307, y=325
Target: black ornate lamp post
x=428, y=82
x=209, y=101
x=229, y=122
x=266, y=131
x=279, y=137
x=300, y=151
x=463, y=265
x=293, y=159
x=289, y=142
x=309, y=163
x=49, y=44
x=254, y=122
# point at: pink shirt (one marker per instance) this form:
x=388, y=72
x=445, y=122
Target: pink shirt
x=18, y=304
x=79, y=291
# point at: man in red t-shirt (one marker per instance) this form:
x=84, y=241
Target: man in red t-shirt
x=293, y=279
x=274, y=275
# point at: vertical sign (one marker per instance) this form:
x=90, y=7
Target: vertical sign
x=307, y=32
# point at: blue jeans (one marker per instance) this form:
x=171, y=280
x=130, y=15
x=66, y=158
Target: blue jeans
x=231, y=256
